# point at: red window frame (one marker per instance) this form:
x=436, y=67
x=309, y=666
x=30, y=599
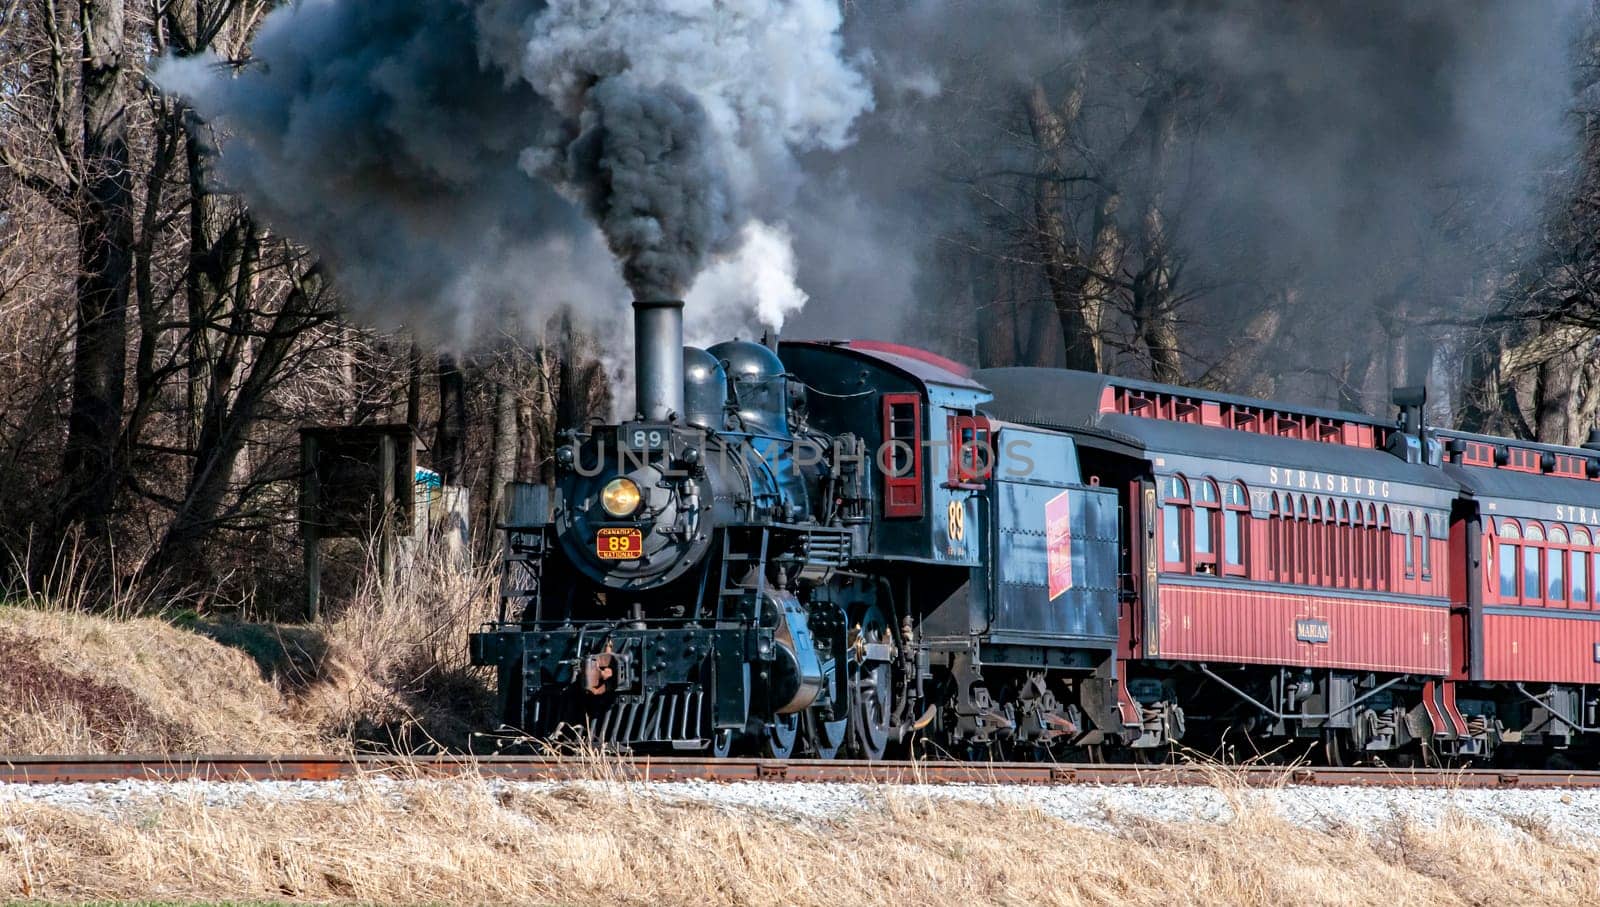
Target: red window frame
x=1555, y=554
x=1181, y=506
x=1531, y=528
x=1505, y=537
x=1275, y=557
x=1578, y=560
x=1358, y=547
x=1341, y=562
x=1206, y=507
x=1330, y=547
x=1428, y=549
x=1235, y=505
x=1409, y=553
x=1317, y=560
x=1330, y=543
x=1375, y=530
x=1385, y=549
x=902, y=494
x=1594, y=576
x=1300, y=542
x=962, y=473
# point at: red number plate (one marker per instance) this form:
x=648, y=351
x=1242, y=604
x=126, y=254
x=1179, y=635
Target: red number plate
x=619, y=544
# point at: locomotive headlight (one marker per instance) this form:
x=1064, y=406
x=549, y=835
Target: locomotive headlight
x=620, y=497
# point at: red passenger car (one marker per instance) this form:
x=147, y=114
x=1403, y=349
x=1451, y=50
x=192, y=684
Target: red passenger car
x=1293, y=574
x=1528, y=606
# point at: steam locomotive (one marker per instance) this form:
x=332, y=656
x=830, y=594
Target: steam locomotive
x=847, y=548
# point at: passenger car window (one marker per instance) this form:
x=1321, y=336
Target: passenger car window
x=1507, y=558
x=1594, y=570
x=1426, y=542
x=1175, y=495
x=1555, y=587
x=1205, y=499
x=1578, y=567
x=1530, y=574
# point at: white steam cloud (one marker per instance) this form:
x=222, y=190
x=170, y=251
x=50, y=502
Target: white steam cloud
x=758, y=278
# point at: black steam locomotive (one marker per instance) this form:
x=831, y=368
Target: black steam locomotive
x=818, y=549
x=832, y=548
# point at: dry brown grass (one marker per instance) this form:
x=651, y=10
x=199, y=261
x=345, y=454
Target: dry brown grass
x=400, y=647
x=86, y=674
x=75, y=683
x=461, y=842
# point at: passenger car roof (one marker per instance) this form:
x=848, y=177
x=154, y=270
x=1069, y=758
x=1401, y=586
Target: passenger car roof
x=1524, y=494
x=1070, y=401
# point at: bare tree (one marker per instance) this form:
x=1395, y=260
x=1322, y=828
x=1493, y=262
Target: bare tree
x=104, y=199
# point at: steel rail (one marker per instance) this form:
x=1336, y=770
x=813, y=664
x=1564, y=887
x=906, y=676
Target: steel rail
x=105, y=769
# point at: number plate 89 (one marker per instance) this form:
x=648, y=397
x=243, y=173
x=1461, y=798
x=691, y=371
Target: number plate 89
x=639, y=436
x=614, y=544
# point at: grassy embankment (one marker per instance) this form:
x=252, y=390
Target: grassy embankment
x=387, y=672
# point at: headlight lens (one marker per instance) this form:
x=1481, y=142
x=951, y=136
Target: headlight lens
x=620, y=497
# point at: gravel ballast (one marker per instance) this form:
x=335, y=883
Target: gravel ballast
x=1567, y=812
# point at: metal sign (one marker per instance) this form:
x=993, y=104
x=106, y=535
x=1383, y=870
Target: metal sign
x=1058, y=543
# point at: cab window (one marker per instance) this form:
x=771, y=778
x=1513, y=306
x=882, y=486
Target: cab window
x=901, y=457
x=971, y=455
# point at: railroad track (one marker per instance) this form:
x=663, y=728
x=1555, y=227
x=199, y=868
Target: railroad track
x=92, y=769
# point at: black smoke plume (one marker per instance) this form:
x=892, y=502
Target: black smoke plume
x=458, y=159
x=650, y=181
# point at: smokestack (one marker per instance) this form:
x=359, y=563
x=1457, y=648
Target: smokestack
x=658, y=358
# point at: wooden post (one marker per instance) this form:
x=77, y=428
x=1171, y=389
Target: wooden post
x=311, y=538
x=386, y=506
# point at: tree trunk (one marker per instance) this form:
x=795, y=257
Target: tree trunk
x=1558, y=398
x=527, y=469
x=414, y=387
x=504, y=470
x=105, y=257
x=994, y=331
x=1241, y=370
x=1105, y=260
x=1155, y=316
x=152, y=311
x=205, y=280
x=1361, y=366
x=226, y=430
x=1154, y=319
x=449, y=446
x=538, y=430
x=1063, y=267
